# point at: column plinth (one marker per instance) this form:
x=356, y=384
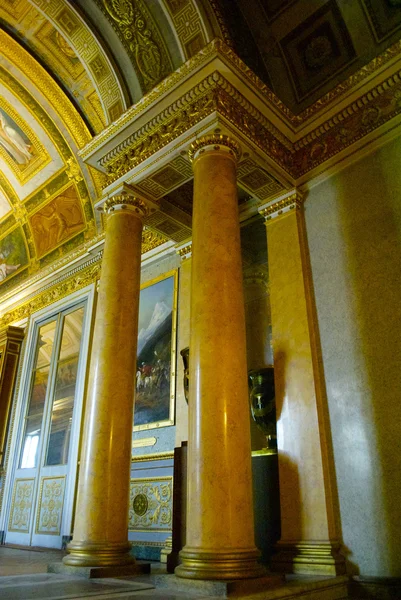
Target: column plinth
x=220, y=534
x=101, y=523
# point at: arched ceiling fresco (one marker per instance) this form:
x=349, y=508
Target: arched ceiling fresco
x=46, y=193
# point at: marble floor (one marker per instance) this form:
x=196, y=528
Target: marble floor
x=23, y=576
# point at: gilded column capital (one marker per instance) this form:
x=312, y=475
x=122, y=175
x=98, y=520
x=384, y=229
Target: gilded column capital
x=214, y=142
x=126, y=201
x=292, y=200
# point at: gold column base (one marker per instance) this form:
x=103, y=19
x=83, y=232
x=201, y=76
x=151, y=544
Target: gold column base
x=107, y=554
x=321, y=558
x=219, y=565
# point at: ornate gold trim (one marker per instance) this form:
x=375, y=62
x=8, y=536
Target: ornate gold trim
x=55, y=292
x=215, y=140
x=276, y=208
x=153, y=456
x=42, y=483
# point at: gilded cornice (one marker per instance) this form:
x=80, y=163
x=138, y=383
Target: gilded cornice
x=370, y=111
x=16, y=54
x=56, y=292
x=150, y=98
x=213, y=94
x=217, y=95
x=218, y=47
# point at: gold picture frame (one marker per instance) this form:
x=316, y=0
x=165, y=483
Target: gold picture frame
x=154, y=401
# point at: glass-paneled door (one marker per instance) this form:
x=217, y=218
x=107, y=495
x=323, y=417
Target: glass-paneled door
x=49, y=430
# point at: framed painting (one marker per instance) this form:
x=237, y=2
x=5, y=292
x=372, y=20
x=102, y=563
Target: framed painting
x=156, y=354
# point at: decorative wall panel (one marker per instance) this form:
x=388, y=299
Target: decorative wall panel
x=151, y=504
x=21, y=505
x=51, y=501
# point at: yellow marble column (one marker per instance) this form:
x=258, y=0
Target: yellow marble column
x=220, y=533
x=101, y=521
x=310, y=530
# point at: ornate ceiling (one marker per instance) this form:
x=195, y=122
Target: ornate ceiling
x=302, y=49
x=69, y=69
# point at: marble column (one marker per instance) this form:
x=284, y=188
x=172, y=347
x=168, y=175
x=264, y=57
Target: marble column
x=220, y=533
x=101, y=521
x=310, y=530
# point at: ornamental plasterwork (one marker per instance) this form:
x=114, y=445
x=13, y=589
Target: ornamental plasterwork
x=213, y=94
x=90, y=52
x=21, y=505
x=140, y=37
x=151, y=504
x=272, y=102
x=216, y=95
x=50, y=509
x=188, y=25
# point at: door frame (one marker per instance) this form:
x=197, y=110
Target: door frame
x=85, y=294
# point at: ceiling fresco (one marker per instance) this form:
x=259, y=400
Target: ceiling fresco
x=68, y=48
x=45, y=192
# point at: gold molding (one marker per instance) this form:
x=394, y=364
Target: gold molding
x=153, y=456
x=56, y=292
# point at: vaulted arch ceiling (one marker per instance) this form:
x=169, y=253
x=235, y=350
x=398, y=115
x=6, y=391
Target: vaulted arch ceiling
x=46, y=192
x=69, y=68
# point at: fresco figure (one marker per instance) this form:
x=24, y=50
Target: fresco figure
x=6, y=269
x=13, y=142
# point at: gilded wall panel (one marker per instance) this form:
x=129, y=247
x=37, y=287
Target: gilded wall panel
x=50, y=508
x=151, y=504
x=21, y=506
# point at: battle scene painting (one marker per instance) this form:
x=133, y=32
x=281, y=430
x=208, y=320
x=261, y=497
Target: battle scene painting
x=154, y=394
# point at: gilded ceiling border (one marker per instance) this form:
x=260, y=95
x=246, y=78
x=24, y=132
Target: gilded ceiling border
x=218, y=46
x=141, y=39
x=215, y=94
x=150, y=241
x=75, y=280
x=16, y=54
x=90, y=52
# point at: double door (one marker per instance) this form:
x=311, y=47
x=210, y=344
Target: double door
x=45, y=458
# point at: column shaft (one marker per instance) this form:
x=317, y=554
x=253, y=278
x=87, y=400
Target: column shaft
x=220, y=534
x=101, y=523
x=309, y=516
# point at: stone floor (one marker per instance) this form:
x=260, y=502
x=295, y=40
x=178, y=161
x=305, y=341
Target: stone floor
x=23, y=576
